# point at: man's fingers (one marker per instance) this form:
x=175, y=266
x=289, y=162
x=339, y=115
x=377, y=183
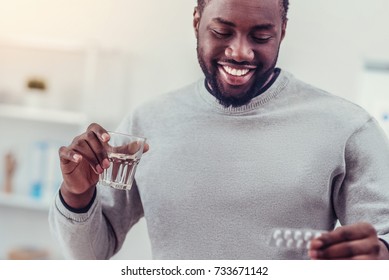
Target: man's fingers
x=347, y=242
x=347, y=250
x=67, y=155
x=99, y=131
x=146, y=148
x=92, y=149
x=347, y=233
x=69, y=159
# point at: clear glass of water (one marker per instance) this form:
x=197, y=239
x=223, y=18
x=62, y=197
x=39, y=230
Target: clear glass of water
x=124, y=153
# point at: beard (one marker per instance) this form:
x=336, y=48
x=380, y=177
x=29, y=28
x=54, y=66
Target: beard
x=225, y=98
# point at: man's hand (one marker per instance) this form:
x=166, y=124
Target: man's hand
x=81, y=163
x=351, y=242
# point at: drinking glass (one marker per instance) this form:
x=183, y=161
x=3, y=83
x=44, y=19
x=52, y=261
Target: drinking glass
x=124, y=153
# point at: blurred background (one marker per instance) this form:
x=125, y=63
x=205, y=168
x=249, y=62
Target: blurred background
x=66, y=63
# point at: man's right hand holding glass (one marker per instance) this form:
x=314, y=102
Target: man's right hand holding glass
x=81, y=164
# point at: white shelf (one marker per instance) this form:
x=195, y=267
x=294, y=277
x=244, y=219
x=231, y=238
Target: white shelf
x=42, y=115
x=42, y=45
x=21, y=202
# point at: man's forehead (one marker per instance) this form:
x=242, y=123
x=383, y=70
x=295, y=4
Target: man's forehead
x=205, y=2
x=243, y=9
x=236, y=4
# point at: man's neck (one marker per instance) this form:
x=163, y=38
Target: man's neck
x=270, y=81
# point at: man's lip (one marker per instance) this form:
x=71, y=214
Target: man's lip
x=237, y=66
x=238, y=76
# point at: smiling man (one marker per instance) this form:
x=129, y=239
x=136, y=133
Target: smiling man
x=248, y=149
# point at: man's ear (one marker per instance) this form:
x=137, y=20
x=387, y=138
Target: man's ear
x=283, y=30
x=196, y=21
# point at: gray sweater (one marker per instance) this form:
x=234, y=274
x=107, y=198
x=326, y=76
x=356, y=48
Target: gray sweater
x=217, y=180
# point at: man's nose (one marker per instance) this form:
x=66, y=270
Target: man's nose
x=240, y=50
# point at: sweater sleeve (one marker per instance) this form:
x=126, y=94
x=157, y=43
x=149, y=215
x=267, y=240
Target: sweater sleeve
x=100, y=232
x=364, y=193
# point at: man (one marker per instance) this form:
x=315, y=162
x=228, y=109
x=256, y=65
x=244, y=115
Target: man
x=246, y=150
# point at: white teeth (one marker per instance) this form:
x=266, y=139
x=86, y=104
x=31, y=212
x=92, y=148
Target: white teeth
x=235, y=72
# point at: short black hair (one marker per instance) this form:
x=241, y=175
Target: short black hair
x=283, y=3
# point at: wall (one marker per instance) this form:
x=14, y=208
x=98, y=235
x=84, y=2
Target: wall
x=327, y=43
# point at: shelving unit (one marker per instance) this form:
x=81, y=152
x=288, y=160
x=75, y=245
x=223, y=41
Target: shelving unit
x=28, y=114
x=83, y=82
x=69, y=70
x=23, y=202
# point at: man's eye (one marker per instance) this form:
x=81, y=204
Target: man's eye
x=261, y=39
x=221, y=34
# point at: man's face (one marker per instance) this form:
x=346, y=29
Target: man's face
x=237, y=46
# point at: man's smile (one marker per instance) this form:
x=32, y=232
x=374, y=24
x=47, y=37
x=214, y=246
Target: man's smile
x=236, y=75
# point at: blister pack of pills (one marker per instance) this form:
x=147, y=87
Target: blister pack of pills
x=293, y=238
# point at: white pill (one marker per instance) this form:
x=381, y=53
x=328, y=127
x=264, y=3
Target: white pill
x=298, y=235
x=299, y=244
x=289, y=243
x=317, y=234
x=277, y=234
x=308, y=236
x=288, y=234
x=279, y=242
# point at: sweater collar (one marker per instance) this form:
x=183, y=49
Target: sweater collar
x=277, y=86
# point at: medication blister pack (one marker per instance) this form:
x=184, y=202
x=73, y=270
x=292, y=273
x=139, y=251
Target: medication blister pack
x=293, y=238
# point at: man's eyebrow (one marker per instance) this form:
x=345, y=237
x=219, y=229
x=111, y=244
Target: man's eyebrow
x=223, y=21
x=265, y=26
